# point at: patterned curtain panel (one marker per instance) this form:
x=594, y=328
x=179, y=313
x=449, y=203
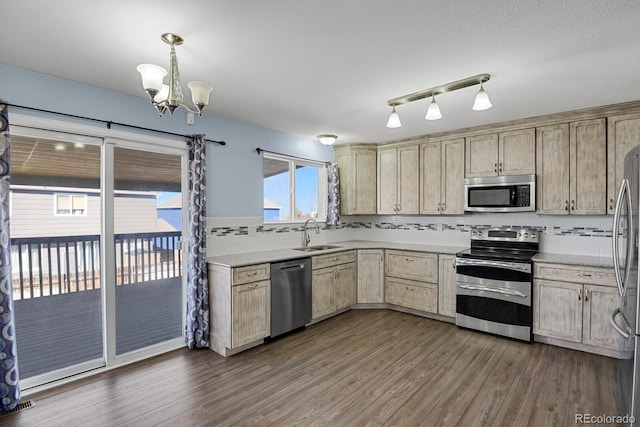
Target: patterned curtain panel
x=333, y=207
x=197, y=327
x=9, y=388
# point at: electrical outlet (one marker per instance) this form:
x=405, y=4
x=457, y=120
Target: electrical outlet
x=191, y=118
x=251, y=230
x=549, y=230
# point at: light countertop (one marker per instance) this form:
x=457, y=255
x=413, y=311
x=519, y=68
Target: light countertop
x=250, y=258
x=580, y=260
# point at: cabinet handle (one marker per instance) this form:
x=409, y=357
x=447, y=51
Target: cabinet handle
x=586, y=274
x=610, y=204
x=252, y=274
x=566, y=205
x=335, y=258
x=586, y=295
x=500, y=166
x=495, y=167
x=409, y=259
x=454, y=264
x=444, y=207
x=573, y=205
x=579, y=294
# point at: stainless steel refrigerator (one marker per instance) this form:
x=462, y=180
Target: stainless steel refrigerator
x=624, y=319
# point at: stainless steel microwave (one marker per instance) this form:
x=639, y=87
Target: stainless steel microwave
x=509, y=193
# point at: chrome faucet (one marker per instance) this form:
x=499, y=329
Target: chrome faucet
x=305, y=235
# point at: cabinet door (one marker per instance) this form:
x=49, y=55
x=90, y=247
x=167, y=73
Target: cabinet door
x=557, y=310
x=481, y=156
x=408, y=179
x=430, y=175
x=370, y=276
x=387, y=181
x=599, y=302
x=345, y=285
x=323, y=292
x=517, y=152
x=452, y=188
x=623, y=134
x=410, y=294
x=447, y=285
x=552, y=166
x=346, y=169
x=588, y=180
x=363, y=196
x=251, y=317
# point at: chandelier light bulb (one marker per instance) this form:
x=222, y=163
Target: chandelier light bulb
x=482, y=101
x=433, y=112
x=394, y=119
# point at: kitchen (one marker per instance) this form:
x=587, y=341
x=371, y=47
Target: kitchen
x=235, y=223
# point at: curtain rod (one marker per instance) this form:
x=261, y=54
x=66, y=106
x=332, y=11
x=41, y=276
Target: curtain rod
x=107, y=122
x=260, y=150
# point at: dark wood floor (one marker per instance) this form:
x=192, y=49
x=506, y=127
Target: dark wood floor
x=364, y=367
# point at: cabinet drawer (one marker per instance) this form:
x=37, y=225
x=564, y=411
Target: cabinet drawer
x=322, y=261
x=412, y=265
x=251, y=273
x=576, y=274
x=421, y=296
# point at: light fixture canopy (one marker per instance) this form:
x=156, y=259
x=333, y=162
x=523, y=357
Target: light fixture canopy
x=169, y=97
x=327, y=138
x=482, y=101
x=394, y=119
x=433, y=112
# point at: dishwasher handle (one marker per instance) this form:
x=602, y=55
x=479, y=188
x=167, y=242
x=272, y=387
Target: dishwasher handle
x=293, y=267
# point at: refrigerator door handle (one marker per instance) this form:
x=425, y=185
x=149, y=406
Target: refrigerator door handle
x=616, y=224
x=630, y=240
x=617, y=327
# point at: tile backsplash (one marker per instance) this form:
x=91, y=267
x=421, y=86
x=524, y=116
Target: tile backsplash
x=577, y=235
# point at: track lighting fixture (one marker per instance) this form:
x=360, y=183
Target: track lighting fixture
x=482, y=101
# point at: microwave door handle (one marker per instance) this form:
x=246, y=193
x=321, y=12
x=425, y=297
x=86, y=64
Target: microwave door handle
x=616, y=225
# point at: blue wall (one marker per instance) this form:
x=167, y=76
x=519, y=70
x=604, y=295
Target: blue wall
x=234, y=172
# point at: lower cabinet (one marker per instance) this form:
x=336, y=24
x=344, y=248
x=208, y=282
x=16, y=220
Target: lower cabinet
x=574, y=304
x=447, y=285
x=370, y=276
x=334, y=282
x=239, y=306
x=411, y=280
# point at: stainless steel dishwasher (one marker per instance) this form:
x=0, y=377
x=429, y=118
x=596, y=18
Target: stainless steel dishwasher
x=290, y=295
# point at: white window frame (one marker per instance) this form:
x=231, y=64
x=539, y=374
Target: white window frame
x=71, y=195
x=322, y=187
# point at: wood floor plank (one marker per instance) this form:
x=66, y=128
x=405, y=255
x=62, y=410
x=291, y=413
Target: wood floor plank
x=363, y=367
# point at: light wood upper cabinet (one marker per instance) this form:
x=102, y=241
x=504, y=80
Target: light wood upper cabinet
x=370, y=276
x=505, y=153
x=571, y=168
x=398, y=179
x=481, y=155
x=447, y=285
x=517, y=152
x=623, y=134
x=357, y=166
x=442, y=177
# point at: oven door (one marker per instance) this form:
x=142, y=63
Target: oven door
x=494, y=296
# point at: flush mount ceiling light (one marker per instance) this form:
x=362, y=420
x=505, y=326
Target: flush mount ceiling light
x=433, y=112
x=169, y=97
x=327, y=139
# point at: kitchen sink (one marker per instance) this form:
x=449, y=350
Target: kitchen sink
x=316, y=248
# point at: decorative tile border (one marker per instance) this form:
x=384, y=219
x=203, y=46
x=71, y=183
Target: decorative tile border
x=408, y=226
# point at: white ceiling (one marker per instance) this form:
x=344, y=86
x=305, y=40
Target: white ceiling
x=329, y=66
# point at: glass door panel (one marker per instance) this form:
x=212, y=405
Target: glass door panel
x=55, y=254
x=148, y=257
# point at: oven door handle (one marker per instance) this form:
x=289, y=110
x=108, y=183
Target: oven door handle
x=488, y=289
x=526, y=268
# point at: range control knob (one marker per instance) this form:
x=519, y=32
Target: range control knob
x=526, y=235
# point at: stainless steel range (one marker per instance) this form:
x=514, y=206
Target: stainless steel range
x=494, y=281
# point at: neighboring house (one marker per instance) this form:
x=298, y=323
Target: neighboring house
x=170, y=214
x=271, y=211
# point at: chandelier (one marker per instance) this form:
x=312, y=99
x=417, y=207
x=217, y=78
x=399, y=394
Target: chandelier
x=169, y=97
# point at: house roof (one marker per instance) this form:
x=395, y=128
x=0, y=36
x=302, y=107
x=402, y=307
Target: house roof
x=173, y=203
x=268, y=204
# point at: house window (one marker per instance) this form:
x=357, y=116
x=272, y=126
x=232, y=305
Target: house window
x=294, y=189
x=70, y=204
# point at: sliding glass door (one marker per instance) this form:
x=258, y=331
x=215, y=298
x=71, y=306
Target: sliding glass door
x=96, y=245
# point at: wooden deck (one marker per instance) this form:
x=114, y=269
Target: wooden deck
x=363, y=367
x=57, y=331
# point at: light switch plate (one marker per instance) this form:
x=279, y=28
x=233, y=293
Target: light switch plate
x=191, y=118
